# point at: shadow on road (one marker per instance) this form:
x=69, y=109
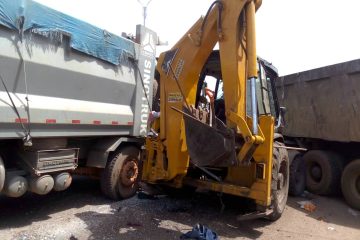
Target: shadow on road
x=332, y=210
x=168, y=218
x=18, y=212
x=162, y=218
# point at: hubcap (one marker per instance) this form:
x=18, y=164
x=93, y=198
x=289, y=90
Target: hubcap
x=316, y=172
x=129, y=173
x=282, y=181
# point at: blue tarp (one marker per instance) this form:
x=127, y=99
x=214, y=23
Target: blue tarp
x=27, y=15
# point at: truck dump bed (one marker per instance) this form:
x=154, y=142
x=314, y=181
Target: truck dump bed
x=323, y=103
x=68, y=78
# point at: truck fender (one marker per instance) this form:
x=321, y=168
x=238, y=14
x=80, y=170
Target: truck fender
x=98, y=155
x=279, y=137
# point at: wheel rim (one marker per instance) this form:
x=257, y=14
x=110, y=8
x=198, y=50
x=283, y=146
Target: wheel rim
x=358, y=184
x=2, y=174
x=129, y=173
x=282, y=189
x=316, y=172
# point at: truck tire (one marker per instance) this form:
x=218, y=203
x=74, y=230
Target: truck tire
x=2, y=174
x=120, y=178
x=323, y=172
x=297, y=176
x=280, y=181
x=350, y=184
x=156, y=97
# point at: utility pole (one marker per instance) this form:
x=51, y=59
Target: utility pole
x=144, y=4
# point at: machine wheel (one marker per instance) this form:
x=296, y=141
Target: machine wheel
x=297, y=176
x=120, y=178
x=280, y=181
x=323, y=172
x=2, y=174
x=350, y=184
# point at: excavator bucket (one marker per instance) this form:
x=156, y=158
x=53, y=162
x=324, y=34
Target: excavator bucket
x=209, y=146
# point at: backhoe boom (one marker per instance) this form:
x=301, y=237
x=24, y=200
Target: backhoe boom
x=193, y=145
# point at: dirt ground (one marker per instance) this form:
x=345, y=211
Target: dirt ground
x=83, y=213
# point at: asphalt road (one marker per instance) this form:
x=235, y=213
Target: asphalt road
x=83, y=213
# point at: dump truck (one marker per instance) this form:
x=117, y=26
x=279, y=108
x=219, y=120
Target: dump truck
x=74, y=99
x=222, y=138
x=322, y=116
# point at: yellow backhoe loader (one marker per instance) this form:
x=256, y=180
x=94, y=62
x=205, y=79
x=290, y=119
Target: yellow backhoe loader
x=221, y=138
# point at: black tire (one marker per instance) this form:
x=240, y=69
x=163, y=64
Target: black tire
x=323, y=172
x=156, y=96
x=280, y=181
x=297, y=176
x=350, y=184
x=120, y=178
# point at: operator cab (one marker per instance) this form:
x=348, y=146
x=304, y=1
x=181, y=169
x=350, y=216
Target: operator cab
x=210, y=88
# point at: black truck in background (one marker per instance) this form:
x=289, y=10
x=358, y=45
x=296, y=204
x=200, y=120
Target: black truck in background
x=323, y=116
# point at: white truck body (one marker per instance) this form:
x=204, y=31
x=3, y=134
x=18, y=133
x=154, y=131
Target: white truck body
x=70, y=94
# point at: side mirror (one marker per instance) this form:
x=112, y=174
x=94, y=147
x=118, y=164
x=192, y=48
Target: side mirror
x=283, y=111
x=281, y=120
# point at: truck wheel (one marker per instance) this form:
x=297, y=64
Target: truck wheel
x=350, y=184
x=156, y=97
x=2, y=174
x=280, y=181
x=323, y=172
x=120, y=178
x=297, y=176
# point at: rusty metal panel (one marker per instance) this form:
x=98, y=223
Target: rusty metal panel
x=323, y=103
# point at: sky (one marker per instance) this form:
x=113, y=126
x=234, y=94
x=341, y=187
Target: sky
x=295, y=35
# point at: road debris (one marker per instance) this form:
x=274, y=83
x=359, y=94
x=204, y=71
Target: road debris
x=72, y=237
x=353, y=212
x=331, y=228
x=307, y=205
x=144, y=195
x=178, y=209
x=59, y=215
x=308, y=195
x=134, y=224
x=200, y=232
